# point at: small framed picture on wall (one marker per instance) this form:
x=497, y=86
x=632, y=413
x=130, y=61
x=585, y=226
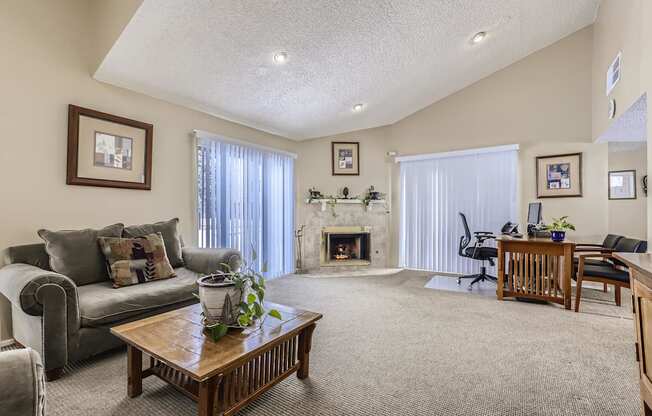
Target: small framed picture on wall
x=622, y=184
x=345, y=158
x=559, y=176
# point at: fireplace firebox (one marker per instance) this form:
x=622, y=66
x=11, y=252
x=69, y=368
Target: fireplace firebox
x=346, y=246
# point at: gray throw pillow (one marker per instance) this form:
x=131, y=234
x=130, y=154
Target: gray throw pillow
x=76, y=253
x=171, y=237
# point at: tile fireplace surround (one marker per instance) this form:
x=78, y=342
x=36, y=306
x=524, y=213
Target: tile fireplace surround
x=349, y=219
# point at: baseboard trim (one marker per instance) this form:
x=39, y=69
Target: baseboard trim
x=6, y=343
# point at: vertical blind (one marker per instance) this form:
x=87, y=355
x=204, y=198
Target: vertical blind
x=435, y=190
x=245, y=200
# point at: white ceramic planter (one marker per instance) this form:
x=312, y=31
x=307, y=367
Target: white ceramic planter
x=219, y=301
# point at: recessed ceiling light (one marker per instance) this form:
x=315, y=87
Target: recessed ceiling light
x=281, y=57
x=479, y=37
x=358, y=107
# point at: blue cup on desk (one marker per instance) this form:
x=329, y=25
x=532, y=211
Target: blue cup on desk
x=558, y=236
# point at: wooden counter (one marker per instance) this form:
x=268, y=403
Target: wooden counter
x=535, y=268
x=640, y=276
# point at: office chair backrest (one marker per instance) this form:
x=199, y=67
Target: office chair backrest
x=465, y=240
x=611, y=240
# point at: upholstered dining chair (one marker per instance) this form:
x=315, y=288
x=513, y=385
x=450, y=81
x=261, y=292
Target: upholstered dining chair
x=610, y=270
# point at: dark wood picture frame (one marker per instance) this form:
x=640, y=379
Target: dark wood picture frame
x=609, y=184
x=576, y=195
x=72, y=178
x=357, y=147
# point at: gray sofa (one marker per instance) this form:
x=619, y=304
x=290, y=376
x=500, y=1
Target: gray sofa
x=22, y=388
x=65, y=321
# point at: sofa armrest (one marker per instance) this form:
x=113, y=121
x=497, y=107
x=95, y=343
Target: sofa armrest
x=27, y=286
x=211, y=260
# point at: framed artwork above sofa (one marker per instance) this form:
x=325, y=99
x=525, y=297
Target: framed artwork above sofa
x=108, y=150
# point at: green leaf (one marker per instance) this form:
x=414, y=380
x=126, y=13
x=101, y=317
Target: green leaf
x=275, y=314
x=251, y=298
x=244, y=320
x=261, y=294
x=258, y=310
x=218, y=331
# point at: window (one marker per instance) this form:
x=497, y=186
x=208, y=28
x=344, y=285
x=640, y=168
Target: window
x=436, y=188
x=245, y=200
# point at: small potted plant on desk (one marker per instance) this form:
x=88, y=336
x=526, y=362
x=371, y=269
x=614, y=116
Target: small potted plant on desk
x=559, y=227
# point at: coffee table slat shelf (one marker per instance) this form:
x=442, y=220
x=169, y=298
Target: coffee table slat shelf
x=224, y=376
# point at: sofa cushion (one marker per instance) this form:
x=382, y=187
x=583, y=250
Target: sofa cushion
x=170, y=232
x=76, y=253
x=101, y=304
x=136, y=260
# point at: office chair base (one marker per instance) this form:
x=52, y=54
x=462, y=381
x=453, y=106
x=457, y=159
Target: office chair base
x=479, y=277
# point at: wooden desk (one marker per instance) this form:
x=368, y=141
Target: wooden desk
x=640, y=278
x=535, y=268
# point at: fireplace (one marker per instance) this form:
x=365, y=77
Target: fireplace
x=346, y=246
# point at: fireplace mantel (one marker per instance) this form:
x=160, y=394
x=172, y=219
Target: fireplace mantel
x=352, y=201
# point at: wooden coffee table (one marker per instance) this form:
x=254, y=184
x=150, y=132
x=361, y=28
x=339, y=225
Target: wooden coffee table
x=221, y=376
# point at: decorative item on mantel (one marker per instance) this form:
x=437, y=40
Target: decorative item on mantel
x=232, y=299
x=559, y=227
x=299, y=261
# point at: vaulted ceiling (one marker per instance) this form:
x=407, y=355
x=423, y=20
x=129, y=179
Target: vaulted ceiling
x=393, y=56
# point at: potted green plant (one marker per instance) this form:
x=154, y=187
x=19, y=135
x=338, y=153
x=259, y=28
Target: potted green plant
x=233, y=299
x=559, y=227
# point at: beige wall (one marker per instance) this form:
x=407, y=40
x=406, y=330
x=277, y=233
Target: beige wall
x=629, y=216
x=617, y=28
x=47, y=49
x=646, y=85
x=624, y=25
x=588, y=213
x=542, y=103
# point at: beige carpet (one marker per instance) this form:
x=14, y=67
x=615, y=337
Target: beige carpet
x=388, y=346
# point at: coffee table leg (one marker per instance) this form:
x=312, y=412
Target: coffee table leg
x=207, y=392
x=135, y=371
x=305, y=344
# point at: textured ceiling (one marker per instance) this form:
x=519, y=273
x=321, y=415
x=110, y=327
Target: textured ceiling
x=395, y=56
x=631, y=126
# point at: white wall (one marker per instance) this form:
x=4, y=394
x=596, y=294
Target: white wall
x=47, y=53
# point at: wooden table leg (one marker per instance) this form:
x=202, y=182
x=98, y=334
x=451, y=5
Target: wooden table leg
x=568, y=273
x=207, y=391
x=500, y=285
x=135, y=371
x=305, y=344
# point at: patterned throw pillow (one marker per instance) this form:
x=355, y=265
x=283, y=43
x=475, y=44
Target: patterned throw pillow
x=136, y=260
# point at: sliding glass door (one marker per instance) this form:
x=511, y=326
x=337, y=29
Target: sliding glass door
x=435, y=189
x=245, y=201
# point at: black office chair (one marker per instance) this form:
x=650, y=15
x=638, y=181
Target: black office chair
x=477, y=252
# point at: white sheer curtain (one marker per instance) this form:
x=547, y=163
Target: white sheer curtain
x=245, y=200
x=481, y=184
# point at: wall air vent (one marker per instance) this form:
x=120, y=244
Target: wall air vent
x=613, y=73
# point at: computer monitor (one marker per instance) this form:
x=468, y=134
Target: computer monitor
x=534, y=213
